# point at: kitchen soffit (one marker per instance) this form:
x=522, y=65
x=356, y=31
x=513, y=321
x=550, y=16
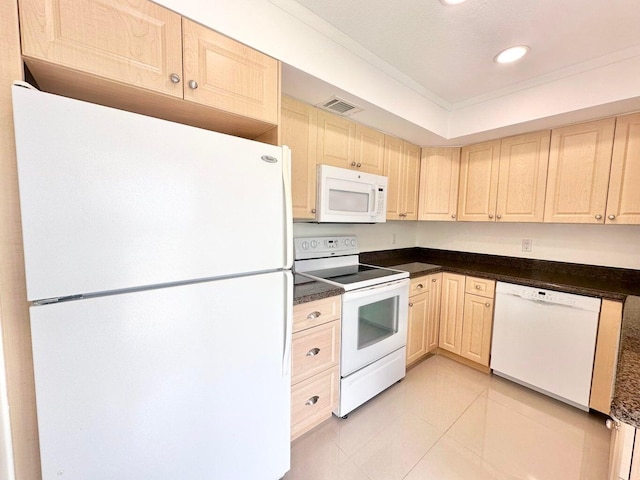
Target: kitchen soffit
x=449, y=51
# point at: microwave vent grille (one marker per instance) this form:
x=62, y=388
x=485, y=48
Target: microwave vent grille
x=339, y=106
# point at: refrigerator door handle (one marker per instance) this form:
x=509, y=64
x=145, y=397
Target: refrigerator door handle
x=288, y=208
x=288, y=326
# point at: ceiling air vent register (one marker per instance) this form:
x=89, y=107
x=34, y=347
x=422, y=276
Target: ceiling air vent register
x=339, y=106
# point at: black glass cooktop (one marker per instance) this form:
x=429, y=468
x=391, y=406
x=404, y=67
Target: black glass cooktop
x=351, y=274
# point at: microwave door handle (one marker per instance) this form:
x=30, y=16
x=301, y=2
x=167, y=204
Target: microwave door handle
x=374, y=202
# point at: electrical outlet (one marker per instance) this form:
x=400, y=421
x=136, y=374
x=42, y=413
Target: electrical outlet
x=527, y=243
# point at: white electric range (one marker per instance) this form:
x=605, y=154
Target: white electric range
x=374, y=315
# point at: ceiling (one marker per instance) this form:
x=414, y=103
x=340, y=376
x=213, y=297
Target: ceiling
x=445, y=53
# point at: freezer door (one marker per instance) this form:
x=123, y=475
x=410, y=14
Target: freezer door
x=188, y=382
x=114, y=200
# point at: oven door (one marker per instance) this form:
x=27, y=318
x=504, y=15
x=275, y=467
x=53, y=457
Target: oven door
x=374, y=324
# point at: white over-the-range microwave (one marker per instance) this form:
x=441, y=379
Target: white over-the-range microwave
x=349, y=196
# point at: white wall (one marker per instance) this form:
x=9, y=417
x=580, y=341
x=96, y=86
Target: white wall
x=370, y=237
x=609, y=245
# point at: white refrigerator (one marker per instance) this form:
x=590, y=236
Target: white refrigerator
x=158, y=261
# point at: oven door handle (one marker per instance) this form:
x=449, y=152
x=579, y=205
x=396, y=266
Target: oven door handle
x=377, y=289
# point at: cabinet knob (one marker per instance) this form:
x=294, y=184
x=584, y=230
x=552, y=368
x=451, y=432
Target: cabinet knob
x=598, y=217
x=611, y=424
x=313, y=315
x=434, y=280
x=453, y=215
x=498, y=216
x=478, y=287
x=353, y=164
x=419, y=286
x=411, y=305
x=313, y=400
x=491, y=215
x=611, y=217
x=174, y=77
x=193, y=84
x=313, y=352
x=359, y=165
x=487, y=304
x=313, y=210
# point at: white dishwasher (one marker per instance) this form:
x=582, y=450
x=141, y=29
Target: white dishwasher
x=545, y=340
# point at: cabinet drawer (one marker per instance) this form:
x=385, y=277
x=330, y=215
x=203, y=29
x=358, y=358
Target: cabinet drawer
x=315, y=350
x=418, y=285
x=307, y=315
x=313, y=400
x=480, y=286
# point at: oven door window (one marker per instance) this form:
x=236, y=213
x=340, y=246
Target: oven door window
x=377, y=321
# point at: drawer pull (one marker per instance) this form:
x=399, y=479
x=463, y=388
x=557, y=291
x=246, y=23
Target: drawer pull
x=411, y=304
x=419, y=286
x=434, y=280
x=313, y=400
x=313, y=352
x=313, y=315
x=478, y=287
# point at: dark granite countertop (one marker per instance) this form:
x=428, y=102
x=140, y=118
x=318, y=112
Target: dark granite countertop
x=605, y=282
x=310, y=291
x=625, y=405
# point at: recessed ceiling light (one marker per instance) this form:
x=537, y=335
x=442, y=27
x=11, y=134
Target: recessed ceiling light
x=511, y=54
x=452, y=2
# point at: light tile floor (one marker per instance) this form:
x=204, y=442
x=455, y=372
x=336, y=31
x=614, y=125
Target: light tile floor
x=446, y=421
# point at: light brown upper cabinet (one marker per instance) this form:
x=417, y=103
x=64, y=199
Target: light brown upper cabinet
x=439, y=172
x=504, y=180
x=522, y=177
x=336, y=140
x=369, y=150
x=224, y=74
x=138, y=56
x=478, y=186
x=623, y=201
x=401, y=166
x=579, y=163
x=299, y=130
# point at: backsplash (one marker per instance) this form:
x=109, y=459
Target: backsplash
x=377, y=236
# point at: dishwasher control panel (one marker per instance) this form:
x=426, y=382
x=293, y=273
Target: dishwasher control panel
x=549, y=296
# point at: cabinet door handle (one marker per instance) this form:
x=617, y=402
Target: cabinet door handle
x=453, y=215
x=491, y=215
x=498, y=216
x=611, y=217
x=174, y=77
x=313, y=210
x=313, y=315
x=353, y=164
x=411, y=304
x=359, y=165
x=434, y=280
x=611, y=424
x=313, y=400
x=598, y=217
x=487, y=304
x=313, y=352
x=193, y=84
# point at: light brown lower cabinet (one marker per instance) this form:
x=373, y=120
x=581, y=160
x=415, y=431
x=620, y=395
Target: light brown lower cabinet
x=315, y=357
x=606, y=356
x=424, y=316
x=466, y=317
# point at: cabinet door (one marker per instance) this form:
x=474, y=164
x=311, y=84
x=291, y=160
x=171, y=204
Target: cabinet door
x=369, y=150
x=417, y=327
x=135, y=42
x=623, y=203
x=479, y=182
x=439, y=172
x=393, y=151
x=476, y=328
x=433, y=311
x=579, y=162
x=410, y=181
x=228, y=75
x=451, y=312
x=299, y=128
x=606, y=356
x=522, y=178
x=336, y=140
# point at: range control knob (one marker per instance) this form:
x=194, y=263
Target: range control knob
x=353, y=243
x=305, y=245
x=314, y=244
